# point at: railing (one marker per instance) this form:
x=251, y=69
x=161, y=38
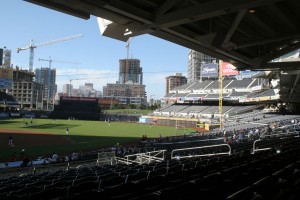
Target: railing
x=106, y=158
x=254, y=149
x=279, y=135
x=141, y=158
x=200, y=155
x=41, y=168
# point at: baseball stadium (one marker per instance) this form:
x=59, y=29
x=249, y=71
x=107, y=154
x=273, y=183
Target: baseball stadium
x=219, y=138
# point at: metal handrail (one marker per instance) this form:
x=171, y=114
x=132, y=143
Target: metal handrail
x=143, y=157
x=201, y=155
x=255, y=149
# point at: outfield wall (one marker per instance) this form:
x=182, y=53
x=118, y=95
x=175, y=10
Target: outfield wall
x=197, y=124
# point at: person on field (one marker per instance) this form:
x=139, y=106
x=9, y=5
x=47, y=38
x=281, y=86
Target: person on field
x=67, y=130
x=10, y=141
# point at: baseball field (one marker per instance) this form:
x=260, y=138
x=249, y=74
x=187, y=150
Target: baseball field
x=44, y=137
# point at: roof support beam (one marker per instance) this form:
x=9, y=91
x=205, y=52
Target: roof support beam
x=282, y=66
x=266, y=41
x=234, y=25
x=165, y=7
x=208, y=10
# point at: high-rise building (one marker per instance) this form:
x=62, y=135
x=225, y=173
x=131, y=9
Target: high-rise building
x=126, y=93
x=130, y=71
x=129, y=89
x=1, y=56
x=175, y=81
x=195, y=60
x=26, y=92
x=6, y=58
x=47, y=77
x=67, y=89
x=87, y=90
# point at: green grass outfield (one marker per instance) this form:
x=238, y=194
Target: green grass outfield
x=86, y=135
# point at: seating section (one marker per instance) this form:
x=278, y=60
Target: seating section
x=244, y=83
x=249, y=89
x=241, y=174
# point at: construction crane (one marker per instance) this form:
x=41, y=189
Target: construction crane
x=50, y=61
x=127, y=59
x=32, y=46
x=49, y=86
x=78, y=79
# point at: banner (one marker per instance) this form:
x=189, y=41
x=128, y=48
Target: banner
x=6, y=73
x=6, y=78
x=209, y=70
x=5, y=83
x=228, y=69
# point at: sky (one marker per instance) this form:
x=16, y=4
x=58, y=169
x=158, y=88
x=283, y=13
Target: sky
x=93, y=58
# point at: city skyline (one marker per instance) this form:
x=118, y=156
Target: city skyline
x=92, y=57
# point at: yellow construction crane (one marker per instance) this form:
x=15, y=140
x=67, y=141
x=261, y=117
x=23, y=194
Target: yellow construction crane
x=32, y=46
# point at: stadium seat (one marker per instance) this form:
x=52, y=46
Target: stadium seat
x=111, y=182
x=61, y=183
x=90, y=194
x=51, y=193
x=185, y=190
x=138, y=177
x=121, y=191
x=246, y=193
x=27, y=190
x=270, y=187
x=83, y=186
x=84, y=179
x=154, y=183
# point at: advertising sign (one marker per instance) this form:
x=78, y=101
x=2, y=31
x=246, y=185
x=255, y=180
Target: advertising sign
x=209, y=70
x=85, y=99
x=200, y=125
x=6, y=77
x=142, y=120
x=228, y=69
x=246, y=73
x=6, y=73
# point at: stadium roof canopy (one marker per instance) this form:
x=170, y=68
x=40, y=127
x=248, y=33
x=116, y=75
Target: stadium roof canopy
x=247, y=33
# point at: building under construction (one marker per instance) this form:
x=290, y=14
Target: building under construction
x=130, y=71
x=25, y=90
x=129, y=89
